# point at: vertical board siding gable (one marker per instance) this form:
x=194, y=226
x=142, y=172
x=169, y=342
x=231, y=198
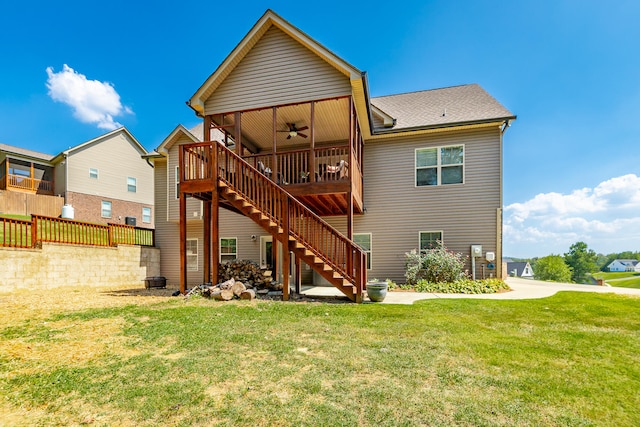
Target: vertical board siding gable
x=278, y=70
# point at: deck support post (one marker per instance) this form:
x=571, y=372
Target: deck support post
x=298, y=278
x=312, y=144
x=206, y=236
x=183, y=241
x=214, y=221
x=274, y=157
x=286, y=255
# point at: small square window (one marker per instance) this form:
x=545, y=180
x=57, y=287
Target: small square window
x=430, y=240
x=146, y=215
x=131, y=185
x=93, y=173
x=106, y=209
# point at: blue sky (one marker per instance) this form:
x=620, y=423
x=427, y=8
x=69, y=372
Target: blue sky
x=570, y=71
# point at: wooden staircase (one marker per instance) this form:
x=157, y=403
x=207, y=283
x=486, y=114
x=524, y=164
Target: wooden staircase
x=327, y=251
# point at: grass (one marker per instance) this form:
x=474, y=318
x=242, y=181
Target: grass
x=566, y=360
x=623, y=280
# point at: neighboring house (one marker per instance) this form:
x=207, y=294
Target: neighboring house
x=520, y=269
x=25, y=170
x=623, y=265
x=104, y=180
x=386, y=174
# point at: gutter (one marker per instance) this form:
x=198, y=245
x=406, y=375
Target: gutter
x=365, y=87
x=504, y=120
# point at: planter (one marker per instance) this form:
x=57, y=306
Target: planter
x=377, y=291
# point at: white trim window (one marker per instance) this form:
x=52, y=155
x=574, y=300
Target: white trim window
x=105, y=209
x=364, y=241
x=440, y=165
x=228, y=249
x=146, y=215
x=132, y=184
x=192, y=254
x=93, y=173
x=429, y=240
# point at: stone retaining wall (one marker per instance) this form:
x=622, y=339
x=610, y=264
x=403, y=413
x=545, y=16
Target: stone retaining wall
x=72, y=265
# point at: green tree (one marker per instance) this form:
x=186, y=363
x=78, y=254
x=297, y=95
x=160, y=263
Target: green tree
x=582, y=261
x=552, y=268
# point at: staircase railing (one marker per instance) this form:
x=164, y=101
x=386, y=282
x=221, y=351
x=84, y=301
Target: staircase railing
x=336, y=250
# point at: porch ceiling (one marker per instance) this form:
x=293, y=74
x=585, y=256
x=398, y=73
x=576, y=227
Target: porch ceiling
x=331, y=124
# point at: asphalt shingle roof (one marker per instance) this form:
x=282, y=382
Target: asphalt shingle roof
x=25, y=152
x=456, y=104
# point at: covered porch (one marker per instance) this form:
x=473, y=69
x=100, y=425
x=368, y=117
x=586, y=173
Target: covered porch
x=26, y=176
x=313, y=149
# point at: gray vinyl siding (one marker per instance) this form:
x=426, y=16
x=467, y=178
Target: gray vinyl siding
x=116, y=158
x=278, y=70
x=194, y=206
x=397, y=210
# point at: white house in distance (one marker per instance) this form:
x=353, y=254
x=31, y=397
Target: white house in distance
x=520, y=269
x=623, y=265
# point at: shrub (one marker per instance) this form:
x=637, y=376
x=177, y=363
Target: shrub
x=436, y=265
x=463, y=286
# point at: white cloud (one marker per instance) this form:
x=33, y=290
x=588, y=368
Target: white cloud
x=606, y=217
x=92, y=101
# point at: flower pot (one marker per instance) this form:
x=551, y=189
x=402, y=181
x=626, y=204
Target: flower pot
x=377, y=291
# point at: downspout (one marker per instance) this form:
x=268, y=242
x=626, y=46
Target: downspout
x=66, y=178
x=365, y=84
x=505, y=126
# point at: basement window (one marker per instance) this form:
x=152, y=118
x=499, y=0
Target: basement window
x=106, y=209
x=228, y=249
x=364, y=241
x=192, y=254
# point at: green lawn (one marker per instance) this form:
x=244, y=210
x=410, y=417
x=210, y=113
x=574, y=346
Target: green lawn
x=568, y=360
x=624, y=280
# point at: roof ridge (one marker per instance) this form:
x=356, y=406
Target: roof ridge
x=426, y=90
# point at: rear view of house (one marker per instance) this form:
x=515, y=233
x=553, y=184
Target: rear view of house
x=296, y=167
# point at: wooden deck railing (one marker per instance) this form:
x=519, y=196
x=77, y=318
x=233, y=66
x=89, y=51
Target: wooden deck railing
x=295, y=167
x=335, y=249
x=27, y=234
x=24, y=183
x=16, y=233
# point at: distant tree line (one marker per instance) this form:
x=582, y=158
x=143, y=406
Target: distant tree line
x=575, y=266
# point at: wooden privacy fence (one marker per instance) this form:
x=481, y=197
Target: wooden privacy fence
x=26, y=234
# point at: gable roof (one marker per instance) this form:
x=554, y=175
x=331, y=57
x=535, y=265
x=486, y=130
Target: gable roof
x=451, y=106
x=138, y=146
x=631, y=262
x=267, y=20
x=23, y=152
x=519, y=266
x=174, y=136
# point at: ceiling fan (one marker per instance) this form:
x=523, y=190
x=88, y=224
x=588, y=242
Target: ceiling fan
x=294, y=131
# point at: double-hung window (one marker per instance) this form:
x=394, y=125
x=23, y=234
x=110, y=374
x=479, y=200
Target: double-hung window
x=228, y=249
x=364, y=241
x=93, y=173
x=440, y=165
x=146, y=215
x=192, y=254
x=131, y=185
x=106, y=209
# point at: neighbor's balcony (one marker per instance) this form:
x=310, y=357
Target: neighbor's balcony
x=26, y=184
